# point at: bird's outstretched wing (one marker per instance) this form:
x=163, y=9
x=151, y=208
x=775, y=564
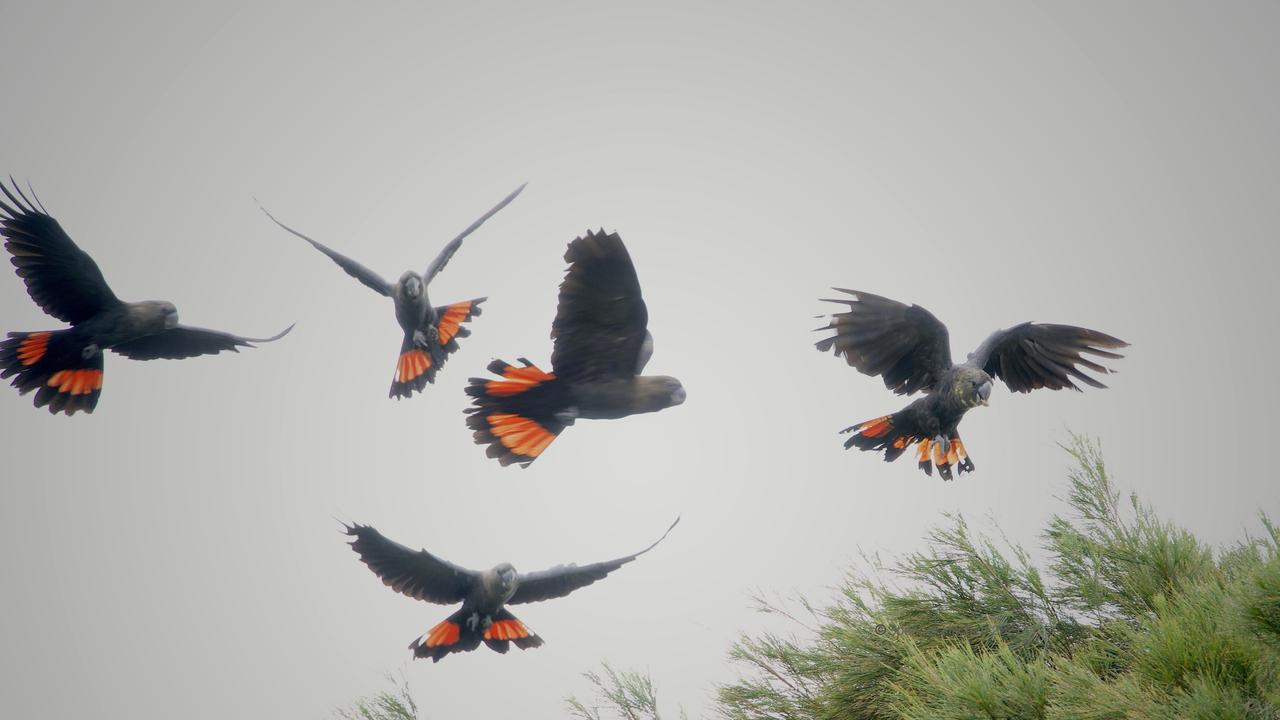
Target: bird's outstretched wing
x=369, y=278
x=61, y=278
x=1034, y=355
x=905, y=344
x=564, y=579
x=600, y=323
x=416, y=573
x=443, y=258
x=185, y=342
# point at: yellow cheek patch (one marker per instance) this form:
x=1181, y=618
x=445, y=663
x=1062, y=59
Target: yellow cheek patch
x=76, y=382
x=33, y=347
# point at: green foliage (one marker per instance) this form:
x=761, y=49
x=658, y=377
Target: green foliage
x=627, y=695
x=1135, y=618
x=394, y=704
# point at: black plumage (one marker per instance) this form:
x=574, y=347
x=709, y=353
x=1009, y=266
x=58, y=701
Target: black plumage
x=910, y=350
x=602, y=345
x=65, y=367
x=430, y=332
x=484, y=595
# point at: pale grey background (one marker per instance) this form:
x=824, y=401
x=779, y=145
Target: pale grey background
x=1109, y=165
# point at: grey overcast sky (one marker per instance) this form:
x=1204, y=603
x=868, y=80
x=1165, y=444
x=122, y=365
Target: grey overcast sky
x=1110, y=165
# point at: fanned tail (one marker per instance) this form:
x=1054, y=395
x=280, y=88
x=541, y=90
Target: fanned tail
x=464, y=630
x=519, y=415
x=65, y=372
x=888, y=433
x=419, y=363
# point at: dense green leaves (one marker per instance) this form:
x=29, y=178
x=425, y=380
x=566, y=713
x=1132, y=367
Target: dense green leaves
x=1135, y=618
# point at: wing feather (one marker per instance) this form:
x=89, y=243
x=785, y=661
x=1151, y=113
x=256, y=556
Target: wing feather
x=416, y=573
x=564, y=579
x=367, y=277
x=904, y=344
x=600, y=325
x=184, y=341
x=60, y=277
x=443, y=258
x=1038, y=355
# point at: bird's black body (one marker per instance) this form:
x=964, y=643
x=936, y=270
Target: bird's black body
x=483, y=616
x=601, y=346
x=430, y=332
x=910, y=349
x=64, y=367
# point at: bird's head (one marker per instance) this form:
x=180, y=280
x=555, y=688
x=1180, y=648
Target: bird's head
x=973, y=386
x=411, y=284
x=660, y=391
x=506, y=576
x=159, y=313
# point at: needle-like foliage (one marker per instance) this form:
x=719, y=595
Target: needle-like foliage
x=1134, y=618
x=394, y=704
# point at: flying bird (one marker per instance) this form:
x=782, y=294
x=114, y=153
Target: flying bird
x=601, y=347
x=430, y=333
x=910, y=349
x=483, y=616
x=64, y=367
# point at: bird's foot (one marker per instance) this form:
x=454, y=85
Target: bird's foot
x=90, y=350
x=943, y=443
x=568, y=415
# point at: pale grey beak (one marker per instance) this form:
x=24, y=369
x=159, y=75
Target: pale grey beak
x=984, y=393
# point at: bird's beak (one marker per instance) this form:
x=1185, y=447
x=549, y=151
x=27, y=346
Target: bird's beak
x=678, y=397
x=984, y=393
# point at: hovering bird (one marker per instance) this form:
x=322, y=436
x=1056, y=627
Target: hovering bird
x=601, y=347
x=64, y=367
x=430, y=333
x=910, y=349
x=484, y=595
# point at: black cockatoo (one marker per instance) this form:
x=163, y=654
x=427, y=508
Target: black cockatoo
x=430, y=333
x=64, y=367
x=910, y=348
x=601, y=347
x=484, y=595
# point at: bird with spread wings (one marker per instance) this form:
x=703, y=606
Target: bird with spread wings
x=910, y=349
x=484, y=595
x=64, y=367
x=602, y=345
x=430, y=333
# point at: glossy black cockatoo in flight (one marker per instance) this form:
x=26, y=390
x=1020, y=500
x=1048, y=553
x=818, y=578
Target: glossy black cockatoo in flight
x=910, y=349
x=601, y=347
x=64, y=367
x=430, y=333
x=483, y=616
